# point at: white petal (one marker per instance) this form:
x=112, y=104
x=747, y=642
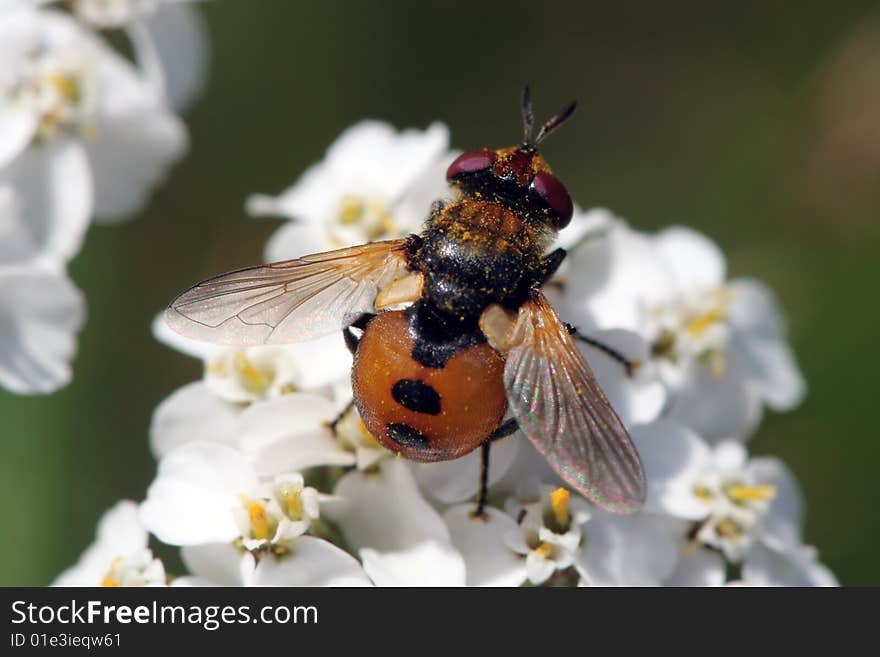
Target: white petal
x=783, y=525
x=639, y=398
x=695, y=261
x=40, y=314
x=401, y=539
x=137, y=140
x=192, y=413
x=717, y=407
x=17, y=128
x=54, y=194
x=172, y=47
x=528, y=465
x=774, y=372
x=797, y=566
x=699, y=568
x=376, y=156
x=384, y=510
x=639, y=550
x=290, y=433
x=614, y=278
x=480, y=540
x=538, y=569
x=294, y=240
x=458, y=480
x=311, y=562
x=673, y=457
x=753, y=309
x=425, y=564
x=221, y=564
x=370, y=160
x=730, y=458
x=192, y=499
x=321, y=362
x=119, y=534
x=411, y=210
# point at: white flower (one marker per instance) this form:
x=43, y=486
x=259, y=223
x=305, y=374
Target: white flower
x=119, y=556
x=235, y=403
x=308, y=561
x=106, y=14
x=401, y=539
x=549, y=532
x=40, y=314
x=44, y=206
x=733, y=501
x=797, y=566
x=168, y=36
x=740, y=510
x=207, y=493
x=253, y=373
x=719, y=345
x=61, y=85
x=553, y=537
x=292, y=433
x=374, y=183
x=190, y=414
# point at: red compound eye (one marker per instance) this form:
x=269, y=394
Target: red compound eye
x=470, y=162
x=554, y=194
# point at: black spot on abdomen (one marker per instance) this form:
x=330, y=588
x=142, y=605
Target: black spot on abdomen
x=408, y=436
x=417, y=396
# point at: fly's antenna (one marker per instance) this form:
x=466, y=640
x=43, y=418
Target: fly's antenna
x=528, y=115
x=550, y=127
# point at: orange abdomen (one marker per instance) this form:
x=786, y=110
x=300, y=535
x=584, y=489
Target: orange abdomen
x=425, y=413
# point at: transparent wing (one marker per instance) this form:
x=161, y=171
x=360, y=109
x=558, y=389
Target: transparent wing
x=560, y=407
x=288, y=301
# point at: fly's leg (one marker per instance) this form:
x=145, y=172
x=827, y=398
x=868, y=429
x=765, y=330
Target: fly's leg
x=629, y=365
x=506, y=428
x=332, y=424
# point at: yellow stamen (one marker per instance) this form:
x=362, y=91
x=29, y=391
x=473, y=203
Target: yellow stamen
x=217, y=367
x=351, y=211
x=292, y=498
x=703, y=493
x=760, y=493
x=66, y=85
x=728, y=528
x=110, y=580
x=559, y=501
x=717, y=363
x=700, y=324
x=545, y=550
x=386, y=224
x=258, y=519
x=254, y=378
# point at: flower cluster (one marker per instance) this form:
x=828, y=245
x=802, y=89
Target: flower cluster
x=267, y=475
x=85, y=133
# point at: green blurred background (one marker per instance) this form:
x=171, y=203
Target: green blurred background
x=757, y=123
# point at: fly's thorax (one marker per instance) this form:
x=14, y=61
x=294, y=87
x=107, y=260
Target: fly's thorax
x=475, y=220
x=474, y=254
